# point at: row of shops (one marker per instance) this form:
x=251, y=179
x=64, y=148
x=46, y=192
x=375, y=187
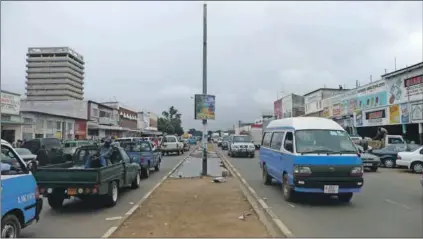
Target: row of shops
x=73, y=119
x=394, y=102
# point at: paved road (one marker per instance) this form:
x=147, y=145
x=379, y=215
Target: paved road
x=79, y=220
x=390, y=205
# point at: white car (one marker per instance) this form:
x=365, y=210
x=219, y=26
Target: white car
x=25, y=154
x=412, y=160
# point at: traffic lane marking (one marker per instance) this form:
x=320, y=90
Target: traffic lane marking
x=90, y=222
x=321, y=218
x=397, y=204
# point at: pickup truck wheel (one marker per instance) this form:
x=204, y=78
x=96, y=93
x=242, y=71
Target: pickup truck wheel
x=157, y=167
x=113, y=194
x=145, y=172
x=345, y=197
x=136, y=183
x=178, y=152
x=267, y=179
x=55, y=201
x=10, y=226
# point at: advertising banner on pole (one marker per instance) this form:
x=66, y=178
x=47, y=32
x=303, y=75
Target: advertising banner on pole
x=204, y=107
x=394, y=114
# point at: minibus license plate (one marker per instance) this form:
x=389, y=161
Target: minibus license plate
x=367, y=164
x=331, y=189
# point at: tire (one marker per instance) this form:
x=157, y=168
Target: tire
x=373, y=169
x=267, y=179
x=389, y=163
x=55, y=201
x=345, y=197
x=157, y=167
x=137, y=180
x=145, y=172
x=288, y=193
x=10, y=226
x=178, y=152
x=112, y=195
x=417, y=167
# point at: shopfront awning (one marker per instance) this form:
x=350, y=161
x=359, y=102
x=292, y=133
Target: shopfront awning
x=92, y=125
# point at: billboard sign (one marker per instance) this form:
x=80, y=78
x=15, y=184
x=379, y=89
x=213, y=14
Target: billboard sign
x=204, y=107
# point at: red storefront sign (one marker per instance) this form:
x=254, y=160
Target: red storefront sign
x=81, y=129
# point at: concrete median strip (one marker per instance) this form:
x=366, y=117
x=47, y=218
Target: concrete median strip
x=267, y=217
x=138, y=204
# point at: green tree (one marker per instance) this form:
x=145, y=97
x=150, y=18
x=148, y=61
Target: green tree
x=171, y=122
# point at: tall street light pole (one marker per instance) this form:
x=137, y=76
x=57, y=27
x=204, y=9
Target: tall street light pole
x=204, y=168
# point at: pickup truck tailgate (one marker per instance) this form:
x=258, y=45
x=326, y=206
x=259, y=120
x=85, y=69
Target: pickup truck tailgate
x=66, y=175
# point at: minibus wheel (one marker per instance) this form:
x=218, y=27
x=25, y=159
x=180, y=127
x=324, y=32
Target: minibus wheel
x=267, y=179
x=288, y=193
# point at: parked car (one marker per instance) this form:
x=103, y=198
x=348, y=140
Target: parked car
x=388, y=155
x=53, y=147
x=219, y=142
x=70, y=146
x=241, y=145
x=225, y=142
x=370, y=161
x=413, y=160
x=186, y=145
x=171, y=144
x=145, y=154
x=25, y=154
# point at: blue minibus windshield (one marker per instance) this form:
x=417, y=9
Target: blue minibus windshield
x=323, y=141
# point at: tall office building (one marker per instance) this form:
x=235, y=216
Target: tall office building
x=54, y=73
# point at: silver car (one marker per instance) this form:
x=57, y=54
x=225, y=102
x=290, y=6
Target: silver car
x=25, y=154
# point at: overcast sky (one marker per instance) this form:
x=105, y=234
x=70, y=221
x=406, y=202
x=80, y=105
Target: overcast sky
x=149, y=54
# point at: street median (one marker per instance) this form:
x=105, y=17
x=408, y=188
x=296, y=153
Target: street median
x=189, y=205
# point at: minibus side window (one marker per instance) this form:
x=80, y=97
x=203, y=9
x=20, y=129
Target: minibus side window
x=277, y=138
x=289, y=142
x=267, y=137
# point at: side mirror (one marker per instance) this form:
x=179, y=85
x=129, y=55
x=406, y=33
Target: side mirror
x=32, y=166
x=289, y=146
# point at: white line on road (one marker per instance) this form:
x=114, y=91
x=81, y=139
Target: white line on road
x=291, y=205
x=113, y=218
x=132, y=210
x=397, y=203
x=109, y=232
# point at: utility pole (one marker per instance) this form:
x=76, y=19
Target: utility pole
x=205, y=136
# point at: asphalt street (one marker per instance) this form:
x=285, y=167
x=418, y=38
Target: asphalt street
x=390, y=205
x=78, y=219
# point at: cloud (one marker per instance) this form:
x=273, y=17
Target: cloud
x=149, y=54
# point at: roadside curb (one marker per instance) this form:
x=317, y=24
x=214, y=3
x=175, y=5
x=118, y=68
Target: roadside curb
x=272, y=223
x=145, y=197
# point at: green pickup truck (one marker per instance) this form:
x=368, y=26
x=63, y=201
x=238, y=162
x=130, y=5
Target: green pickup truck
x=72, y=179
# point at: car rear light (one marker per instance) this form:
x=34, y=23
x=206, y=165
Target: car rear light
x=37, y=193
x=357, y=171
x=95, y=189
x=302, y=171
x=41, y=190
x=398, y=157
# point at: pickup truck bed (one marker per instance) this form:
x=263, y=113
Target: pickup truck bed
x=60, y=181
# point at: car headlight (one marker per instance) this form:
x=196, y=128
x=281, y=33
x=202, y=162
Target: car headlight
x=302, y=170
x=357, y=170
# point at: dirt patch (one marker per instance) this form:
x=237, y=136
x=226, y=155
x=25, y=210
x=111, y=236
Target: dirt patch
x=194, y=208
